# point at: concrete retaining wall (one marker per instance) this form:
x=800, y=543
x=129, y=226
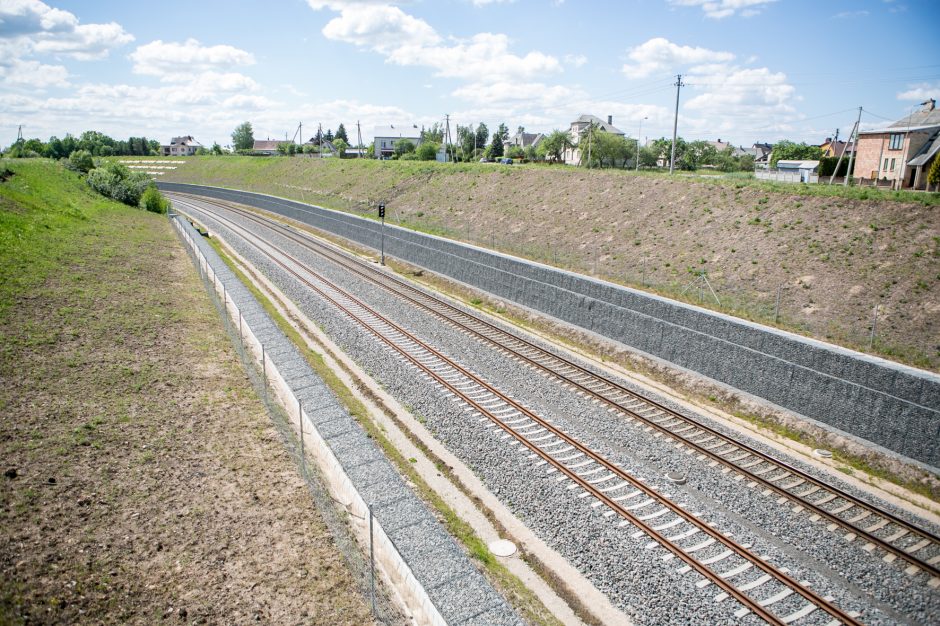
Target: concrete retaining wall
x=422, y=563
x=891, y=405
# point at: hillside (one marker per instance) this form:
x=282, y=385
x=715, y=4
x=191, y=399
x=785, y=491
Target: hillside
x=831, y=258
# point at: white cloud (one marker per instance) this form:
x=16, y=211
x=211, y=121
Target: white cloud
x=406, y=40
x=179, y=61
x=718, y=9
x=31, y=26
x=921, y=92
x=483, y=3
x=660, y=55
x=844, y=15
x=33, y=73
x=575, y=60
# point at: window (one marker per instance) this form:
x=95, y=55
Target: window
x=892, y=165
x=895, y=142
x=886, y=165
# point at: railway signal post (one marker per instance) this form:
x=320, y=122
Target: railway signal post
x=382, y=217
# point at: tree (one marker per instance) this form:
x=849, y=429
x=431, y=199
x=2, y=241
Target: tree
x=933, y=174
x=649, y=155
x=403, y=147
x=553, y=147
x=788, y=150
x=119, y=183
x=495, y=149
x=244, y=137
x=216, y=149
x=341, y=133
x=328, y=136
x=427, y=151
x=435, y=134
x=482, y=135
x=341, y=146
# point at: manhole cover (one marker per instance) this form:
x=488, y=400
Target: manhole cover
x=676, y=477
x=502, y=548
x=822, y=453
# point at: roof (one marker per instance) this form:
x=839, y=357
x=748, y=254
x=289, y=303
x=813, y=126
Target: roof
x=926, y=118
x=404, y=131
x=797, y=165
x=525, y=139
x=839, y=146
x=593, y=119
x=266, y=144
x=926, y=152
x=185, y=140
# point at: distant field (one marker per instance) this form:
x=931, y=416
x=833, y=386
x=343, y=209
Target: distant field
x=832, y=254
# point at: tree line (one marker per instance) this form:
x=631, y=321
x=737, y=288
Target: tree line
x=94, y=142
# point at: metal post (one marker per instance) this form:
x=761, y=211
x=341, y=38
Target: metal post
x=777, y=306
x=383, y=240
x=264, y=371
x=874, y=325
x=372, y=560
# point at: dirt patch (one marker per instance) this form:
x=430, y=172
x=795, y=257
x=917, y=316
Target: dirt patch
x=659, y=233
x=144, y=481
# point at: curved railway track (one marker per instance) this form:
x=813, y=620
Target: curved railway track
x=871, y=528
x=741, y=574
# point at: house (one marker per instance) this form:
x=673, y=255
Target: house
x=836, y=148
x=266, y=146
x=761, y=153
x=573, y=155
x=387, y=136
x=901, y=152
x=181, y=146
x=522, y=140
x=720, y=146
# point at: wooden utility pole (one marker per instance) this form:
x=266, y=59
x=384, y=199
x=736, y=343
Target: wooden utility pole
x=848, y=171
x=359, y=133
x=675, y=124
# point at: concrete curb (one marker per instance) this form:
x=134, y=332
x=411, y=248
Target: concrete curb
x=430, y=558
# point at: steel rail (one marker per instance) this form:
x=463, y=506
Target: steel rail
x=750, y=603
x=931, y=569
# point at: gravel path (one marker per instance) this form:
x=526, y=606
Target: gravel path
x=634, y=575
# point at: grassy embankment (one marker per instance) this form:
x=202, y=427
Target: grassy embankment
x=832, y=254
x=143, y=480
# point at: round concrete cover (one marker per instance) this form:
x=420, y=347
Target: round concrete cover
x=822, y=453
x=503, y=548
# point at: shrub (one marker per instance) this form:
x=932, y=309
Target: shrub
x=153, y=200
x=119, y=183
x=427, y=151
x=81, y=161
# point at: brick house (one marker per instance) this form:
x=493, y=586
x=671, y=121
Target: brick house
x=903, y=151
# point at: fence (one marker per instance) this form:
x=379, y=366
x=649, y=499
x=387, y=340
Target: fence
x=255, y=342
x=784, y=176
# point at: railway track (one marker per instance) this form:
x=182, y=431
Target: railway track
x=872, y=529
x=750, y=579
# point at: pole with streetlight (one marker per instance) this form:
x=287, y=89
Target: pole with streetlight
x=639, y=134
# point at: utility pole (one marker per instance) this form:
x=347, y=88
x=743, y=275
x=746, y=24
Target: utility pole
x=320, y=140
x=848, y=171
x=839, y=162
x=675, y=124
x=19, y=134
x=446, y=136
x=300, y=130
x=359, y=134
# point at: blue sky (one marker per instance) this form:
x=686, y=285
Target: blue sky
x=755, y=70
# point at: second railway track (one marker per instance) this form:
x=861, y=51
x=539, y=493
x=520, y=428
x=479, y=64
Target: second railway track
x=871, y=528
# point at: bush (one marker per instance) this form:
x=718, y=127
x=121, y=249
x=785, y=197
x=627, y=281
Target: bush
x=427, y=151
x=153, y=200
x=118, y=183
x=81, y=161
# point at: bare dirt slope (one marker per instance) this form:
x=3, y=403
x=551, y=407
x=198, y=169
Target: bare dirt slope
x=831, y=259
x=143, y=480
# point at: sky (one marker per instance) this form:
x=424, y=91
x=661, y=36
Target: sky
x=752, y=70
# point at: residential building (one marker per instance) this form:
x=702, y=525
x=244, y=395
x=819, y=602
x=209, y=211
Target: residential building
x=901, y=152
x=266, y=146
x=573, y=155
x=761, y=153
x=791, y=171
x=522, y=140
x=721, y=146
x=387, y=136
x=181, y=146
x=835, y=148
